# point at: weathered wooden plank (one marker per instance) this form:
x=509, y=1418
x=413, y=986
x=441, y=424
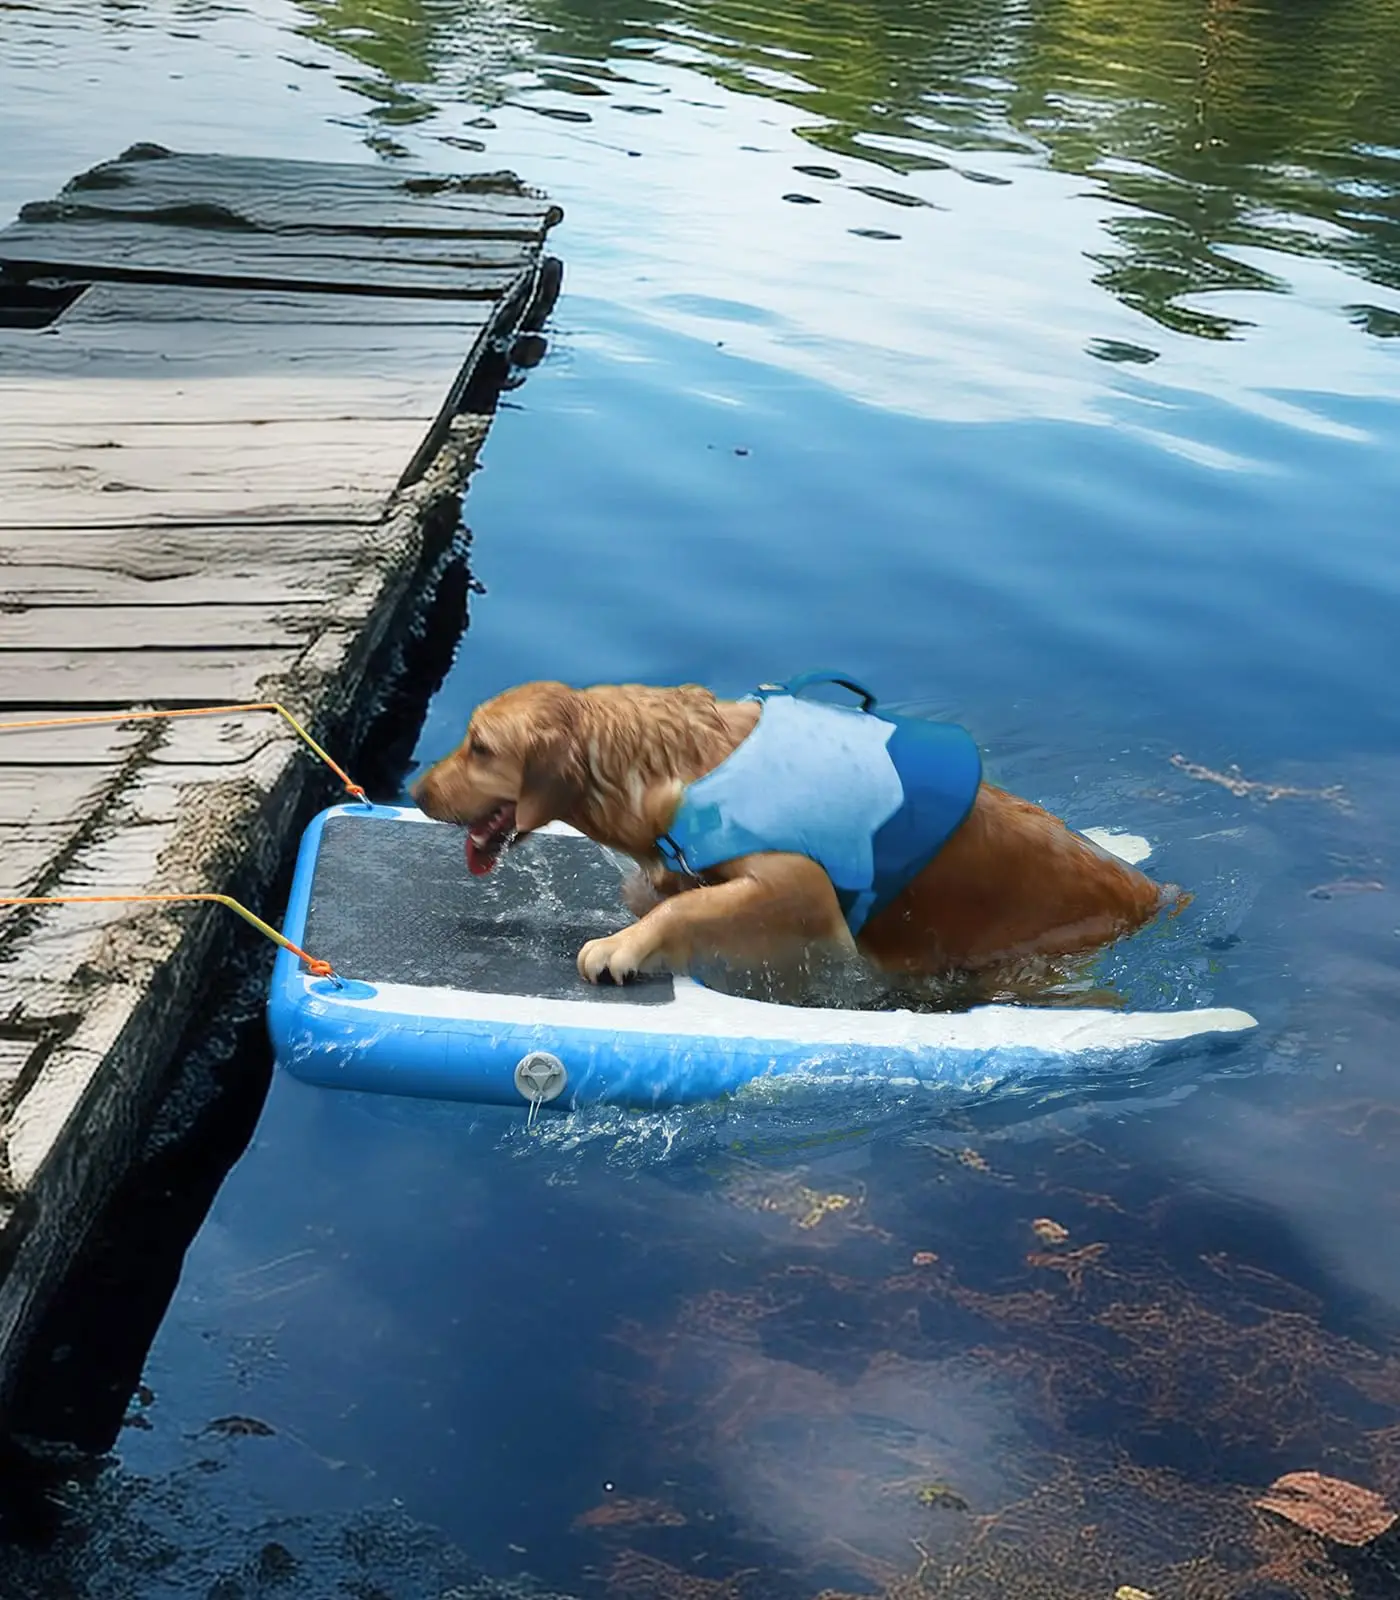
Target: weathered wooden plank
x=60, y=940
x=217, y=203
x=464, y=271
x=267, y=255
x=138, y=371
x=225, y=742
x=110, y=679
x=183, y=351
x=209, y=741
x=241, y=370
x=277, y=470
x=14, y=1053
x=59, y=508
x=40, y=405
x=273, y=582
x=25, y=852
x=167, y=440
x=215, y=548
x=144, y=303
x=104, y=745
x=46, y=796
x=133, y=169
x=214, y=354
x=196, y=627
x=118, y=861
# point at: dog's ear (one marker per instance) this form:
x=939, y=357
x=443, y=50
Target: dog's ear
x=552, y=779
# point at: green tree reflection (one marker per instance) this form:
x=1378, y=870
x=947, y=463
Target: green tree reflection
x=1221, y=128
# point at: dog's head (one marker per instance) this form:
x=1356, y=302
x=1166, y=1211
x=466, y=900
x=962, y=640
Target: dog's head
x=521, y=765
x=610, y=760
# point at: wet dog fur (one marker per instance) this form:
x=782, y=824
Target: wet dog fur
x=1013, y=887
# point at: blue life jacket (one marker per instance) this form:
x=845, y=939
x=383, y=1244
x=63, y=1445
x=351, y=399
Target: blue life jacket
x=870, y=797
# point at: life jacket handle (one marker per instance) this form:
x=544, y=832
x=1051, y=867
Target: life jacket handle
x=809, y=680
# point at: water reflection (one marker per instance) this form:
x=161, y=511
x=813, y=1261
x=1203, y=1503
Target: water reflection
x=413, y=54
x=760, y=1350
x=1230, y=141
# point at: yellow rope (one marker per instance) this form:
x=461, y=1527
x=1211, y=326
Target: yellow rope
x=319, y=969
x=197, y=711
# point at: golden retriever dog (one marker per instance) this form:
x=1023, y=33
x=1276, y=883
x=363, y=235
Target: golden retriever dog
x=1011, y=883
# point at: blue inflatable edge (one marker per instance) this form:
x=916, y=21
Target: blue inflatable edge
x=339, y=1038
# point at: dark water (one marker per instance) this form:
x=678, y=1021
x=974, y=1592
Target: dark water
x=1038, y=363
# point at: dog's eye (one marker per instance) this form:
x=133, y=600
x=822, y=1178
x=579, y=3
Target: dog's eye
x=477, y=748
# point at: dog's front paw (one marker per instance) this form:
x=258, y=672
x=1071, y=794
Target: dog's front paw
x=620, y=956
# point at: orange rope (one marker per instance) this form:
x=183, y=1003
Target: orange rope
x=199, y=711
x=317, y=968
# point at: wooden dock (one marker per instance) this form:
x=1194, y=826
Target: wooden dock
x=239, y=402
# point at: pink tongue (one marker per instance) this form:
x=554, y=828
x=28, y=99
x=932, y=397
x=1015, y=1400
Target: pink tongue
x=479, y=862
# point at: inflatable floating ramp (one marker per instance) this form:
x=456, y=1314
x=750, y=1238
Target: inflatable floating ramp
x=462, y=988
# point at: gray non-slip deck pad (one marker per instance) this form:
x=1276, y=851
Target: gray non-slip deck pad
x=394, y=903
